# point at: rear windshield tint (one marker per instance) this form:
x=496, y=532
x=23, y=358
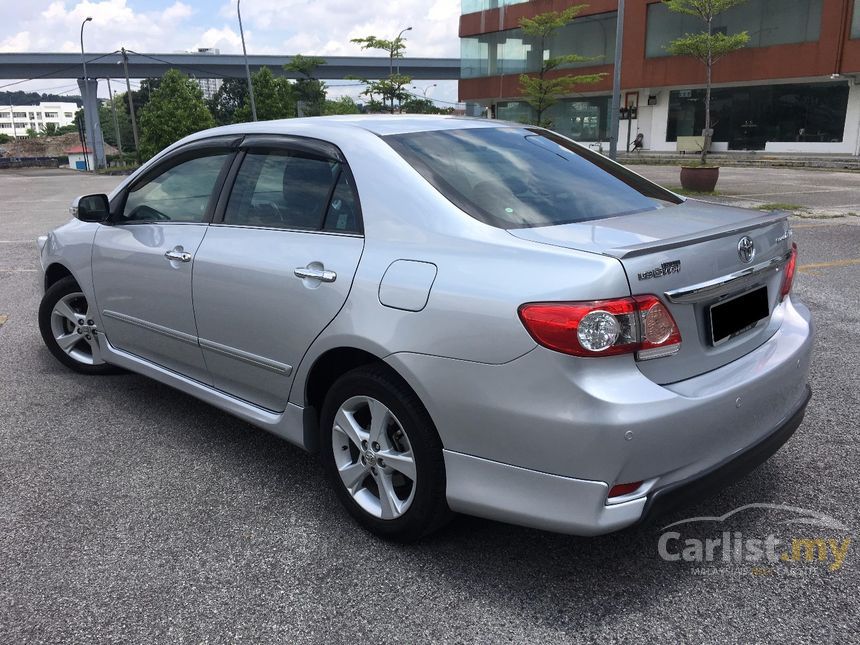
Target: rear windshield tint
x=521, y=178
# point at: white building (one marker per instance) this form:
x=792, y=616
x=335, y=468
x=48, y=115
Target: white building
x=15, y=120
x=210, y=86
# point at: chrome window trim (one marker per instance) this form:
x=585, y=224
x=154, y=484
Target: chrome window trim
x=717, y=286
x=314, y=231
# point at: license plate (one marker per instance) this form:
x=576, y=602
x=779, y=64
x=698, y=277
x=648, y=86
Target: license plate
x=737, y=315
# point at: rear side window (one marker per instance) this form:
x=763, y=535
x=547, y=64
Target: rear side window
x=519, y=178
x=179, y=194
x=282, y=189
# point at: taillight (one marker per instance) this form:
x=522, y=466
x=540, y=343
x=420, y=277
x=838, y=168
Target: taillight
x=788, y=277
x=640, y=324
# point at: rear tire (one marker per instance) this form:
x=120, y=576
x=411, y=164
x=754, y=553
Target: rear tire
x=66, y=327
x=383, y=456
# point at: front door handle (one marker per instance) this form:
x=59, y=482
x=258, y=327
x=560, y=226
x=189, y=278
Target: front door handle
x=322, y=275
x=178, y=255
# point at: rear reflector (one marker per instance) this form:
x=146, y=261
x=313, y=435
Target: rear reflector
x=641, y=324
x=623, y=489
x=788, y=277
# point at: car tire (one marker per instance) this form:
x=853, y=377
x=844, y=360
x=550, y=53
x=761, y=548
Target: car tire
x=62, y=310
x=383, y=455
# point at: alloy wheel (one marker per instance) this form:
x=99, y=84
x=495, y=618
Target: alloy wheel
x=73, y=329
x=374, y=457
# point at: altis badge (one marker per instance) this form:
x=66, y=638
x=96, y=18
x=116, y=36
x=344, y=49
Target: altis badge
x=666, y=268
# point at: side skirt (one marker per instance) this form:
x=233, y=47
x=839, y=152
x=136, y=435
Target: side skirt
x=288, y=424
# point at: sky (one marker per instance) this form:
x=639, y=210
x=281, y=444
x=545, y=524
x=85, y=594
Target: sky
x=285, y=27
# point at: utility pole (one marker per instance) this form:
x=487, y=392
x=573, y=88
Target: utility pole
x=86, y=87
x=247, y=69
x=615, y=114
x=131, y=106
x=115, y=120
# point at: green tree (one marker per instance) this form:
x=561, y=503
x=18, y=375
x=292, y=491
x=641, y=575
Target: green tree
x=175, y=110
x=420, y=105
x=50, y=129
x=272, y=96
x=544, y=89
x=341, y=105
x=5, y=138
x=389, y=89
x=231, y=96
x=707, y=47
x=309, y=91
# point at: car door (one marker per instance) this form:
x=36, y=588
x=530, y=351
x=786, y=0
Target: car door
x=143, y=259
x=276, y=265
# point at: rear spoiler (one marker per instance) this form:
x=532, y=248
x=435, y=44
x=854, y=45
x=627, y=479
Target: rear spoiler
x=758, y=221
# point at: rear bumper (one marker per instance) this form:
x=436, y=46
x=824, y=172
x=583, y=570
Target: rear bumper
x=566, y=505
x=664, y=499
x=540, y=441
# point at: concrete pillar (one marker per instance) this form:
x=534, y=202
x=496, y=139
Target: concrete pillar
x=94, y=141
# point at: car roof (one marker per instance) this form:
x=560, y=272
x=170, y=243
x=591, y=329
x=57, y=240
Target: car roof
x=379, y=124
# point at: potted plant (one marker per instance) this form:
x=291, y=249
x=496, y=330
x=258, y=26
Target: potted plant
x=707, y=47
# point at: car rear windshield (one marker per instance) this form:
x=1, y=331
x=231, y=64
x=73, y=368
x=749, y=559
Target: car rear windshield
x=522, y=177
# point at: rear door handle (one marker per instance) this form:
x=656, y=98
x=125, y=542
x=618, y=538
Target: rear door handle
x=178, y=255
x=322, y=275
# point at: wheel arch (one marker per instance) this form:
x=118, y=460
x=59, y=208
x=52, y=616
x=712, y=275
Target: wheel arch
x=326, y=369
x=55, y=272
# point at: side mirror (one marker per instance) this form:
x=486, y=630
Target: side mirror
x=91, y=208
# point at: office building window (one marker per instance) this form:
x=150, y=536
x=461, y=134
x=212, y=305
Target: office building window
x=511, y=52
x=471, y=6
x=855, y=23
x=768, y=22
x=581, y=118
x=749, y=117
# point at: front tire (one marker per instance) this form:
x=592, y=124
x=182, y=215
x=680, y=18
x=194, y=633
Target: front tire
x=67, y=328
x=383, y=456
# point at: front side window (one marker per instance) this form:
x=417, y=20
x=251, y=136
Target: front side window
x=179, y=194
x=286, y=189
x=519, y=177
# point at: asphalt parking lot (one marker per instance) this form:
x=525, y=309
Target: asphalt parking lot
x=133, y=513
x=810, y=192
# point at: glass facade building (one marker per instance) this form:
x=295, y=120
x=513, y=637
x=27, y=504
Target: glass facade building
x=768, y=22
x=511, y=52
x=749, y=117
x=794, y=87
x=471, y=6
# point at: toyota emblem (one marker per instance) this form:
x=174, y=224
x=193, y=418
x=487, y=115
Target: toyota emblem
x=746, y=249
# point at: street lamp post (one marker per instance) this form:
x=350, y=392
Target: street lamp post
x=616, y=84
x=84, y=64
x=83, y=58
x=394, y=44
x=247, y=69
x=424, y=91
x=391, y=66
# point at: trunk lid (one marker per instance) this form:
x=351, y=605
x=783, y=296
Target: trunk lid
x=688, y=255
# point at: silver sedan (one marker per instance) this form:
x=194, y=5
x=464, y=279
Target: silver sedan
x=458, y=315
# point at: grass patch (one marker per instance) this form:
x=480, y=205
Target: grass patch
x=782, y=207
x=693, y=193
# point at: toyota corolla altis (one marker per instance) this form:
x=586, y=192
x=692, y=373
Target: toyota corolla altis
x=457, y=315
